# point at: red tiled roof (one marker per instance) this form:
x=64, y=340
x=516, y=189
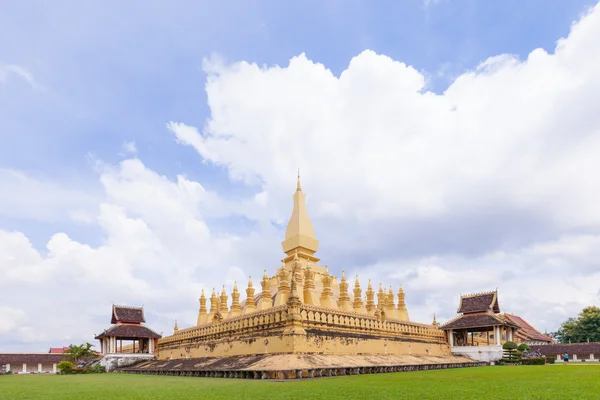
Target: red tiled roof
x=527, y=330
x=58, y=350
x=128, y=315
x=481, y=302
x=127, y=331
x=21, y=358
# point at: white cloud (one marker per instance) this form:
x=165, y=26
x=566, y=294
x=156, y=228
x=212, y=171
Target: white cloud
x=130, y=147
x=25, y=197
x=524, y=134
x=6, y=70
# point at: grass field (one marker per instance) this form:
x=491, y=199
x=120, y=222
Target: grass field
x=521, y=382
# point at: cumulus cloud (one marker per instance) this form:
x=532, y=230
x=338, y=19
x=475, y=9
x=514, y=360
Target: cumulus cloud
x=489, y=184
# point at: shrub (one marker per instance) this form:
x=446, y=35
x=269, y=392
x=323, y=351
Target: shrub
x=97, y=369
x=550, y=360
x=533, y=361
x=65, y=367
x=511, y=354
x=523, y=347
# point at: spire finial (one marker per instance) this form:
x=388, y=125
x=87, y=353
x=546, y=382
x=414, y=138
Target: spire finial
x=298, y=187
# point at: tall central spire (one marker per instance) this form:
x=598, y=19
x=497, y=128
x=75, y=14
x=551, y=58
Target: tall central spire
x=300, y=234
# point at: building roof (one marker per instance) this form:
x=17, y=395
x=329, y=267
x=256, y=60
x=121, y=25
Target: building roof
x=129, y=331
x=22, y=358
x=479, y=302
x=481, y=320
x=128, y=315
x=570, y=348
x=527, y=331
x=58, y=350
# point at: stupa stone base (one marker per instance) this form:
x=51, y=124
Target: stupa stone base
x=297, y=366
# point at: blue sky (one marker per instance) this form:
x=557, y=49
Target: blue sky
x=82, y=80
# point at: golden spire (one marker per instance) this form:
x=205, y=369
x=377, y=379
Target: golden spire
x=344, y=299
x=300, y=233
x=358, y=304
x=249, y=304
x=236, y=309
x=175, y=328
x=370, y=306
x=434, y=321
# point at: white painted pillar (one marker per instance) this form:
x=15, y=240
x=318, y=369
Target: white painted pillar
x=7, y=367
x=151, y=346
x=40, y=367
x=592, y=357
x=574, y=357
x=451, y=337
x=24, y=367
x=498, y=335
x=54, y=368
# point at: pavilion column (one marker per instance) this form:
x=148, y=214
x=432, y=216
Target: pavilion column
x=24, y=367
x=151, y=346
x=40, y=367
x=509, y=333
x=497, y=334
x=54, y=368
x=451, y=337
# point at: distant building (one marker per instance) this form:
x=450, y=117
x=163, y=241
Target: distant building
x=29, y=363
x=578, y=352
x=527, y=333
x=58, y=350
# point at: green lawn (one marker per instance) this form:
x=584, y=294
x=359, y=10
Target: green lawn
x=522, y=382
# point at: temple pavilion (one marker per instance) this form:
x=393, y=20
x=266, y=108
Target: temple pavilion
x=305, y=309
x=478, y=331
x=127, y=326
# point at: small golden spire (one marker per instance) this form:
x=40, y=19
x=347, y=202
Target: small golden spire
x=434, y=321
x=343, y=276
x=235, y=289
x=265, y=274
x=356, y=282
x=327, y=269
x=298, y=186
x=175, y=328
x=250, y=281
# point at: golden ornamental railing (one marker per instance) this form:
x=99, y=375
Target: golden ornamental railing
x=311, y=316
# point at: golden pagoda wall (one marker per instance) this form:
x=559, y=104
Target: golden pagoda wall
x=321, y=331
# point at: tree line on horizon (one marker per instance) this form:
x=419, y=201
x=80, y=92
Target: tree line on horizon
x=583, y=328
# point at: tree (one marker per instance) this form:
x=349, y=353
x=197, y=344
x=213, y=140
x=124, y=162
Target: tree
x=81, y=352
x=584, y=328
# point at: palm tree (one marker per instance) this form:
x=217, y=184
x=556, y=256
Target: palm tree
x=77, y=353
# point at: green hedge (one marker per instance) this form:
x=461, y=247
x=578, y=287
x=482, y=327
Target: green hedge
x=550, y=360
x=533, y=361
x=67, y=368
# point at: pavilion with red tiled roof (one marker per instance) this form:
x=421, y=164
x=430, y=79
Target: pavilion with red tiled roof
x=127, y=326
x=480, y=313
